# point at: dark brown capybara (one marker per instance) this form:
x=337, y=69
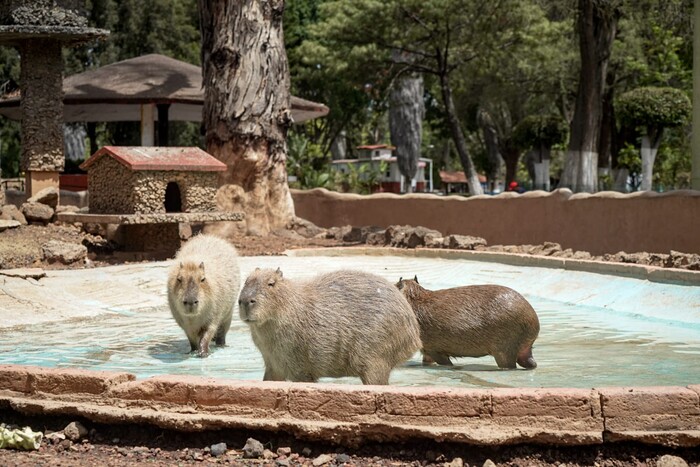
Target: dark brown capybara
x=342, y=323
x=474, y=321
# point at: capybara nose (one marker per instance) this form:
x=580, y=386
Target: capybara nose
x=190, y=302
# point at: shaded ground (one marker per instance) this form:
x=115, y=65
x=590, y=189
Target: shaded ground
x=118, y=445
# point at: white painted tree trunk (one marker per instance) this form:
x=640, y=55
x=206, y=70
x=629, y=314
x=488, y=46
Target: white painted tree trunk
x=648, y=156
x=581, y=171
x=542, y=175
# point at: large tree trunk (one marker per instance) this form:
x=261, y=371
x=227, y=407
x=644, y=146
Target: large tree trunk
x=247, y=109
x=406, y=124
x=458, y=137
x=492, y=143
x=597, y=26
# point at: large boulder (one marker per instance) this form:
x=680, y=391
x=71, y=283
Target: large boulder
x=464, y=242
x=37, y=212
x=406, y=236
x=63, y=252
x=11, y=213
x=306, y=229
x=47, y=196
x=5, y=224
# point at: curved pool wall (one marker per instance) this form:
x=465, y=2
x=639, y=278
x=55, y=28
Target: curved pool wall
x=619, y=311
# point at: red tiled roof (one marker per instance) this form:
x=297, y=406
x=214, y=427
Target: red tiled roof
x=159, y=158
x=457, y=177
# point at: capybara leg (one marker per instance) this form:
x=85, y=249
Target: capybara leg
x=525, y=358
x=505, y=361
x=193, y=345
x=376, y=375
x=439, y=358
x=272, y=375
x=427, y=360
x=220, y=338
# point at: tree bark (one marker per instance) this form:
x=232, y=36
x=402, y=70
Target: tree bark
x=458, y=137
x=650, y=146
x=406, y=112
x=597, y=26
x=247, y=108
x=492, y=143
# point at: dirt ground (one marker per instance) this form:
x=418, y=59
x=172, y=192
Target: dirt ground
x=120, y=445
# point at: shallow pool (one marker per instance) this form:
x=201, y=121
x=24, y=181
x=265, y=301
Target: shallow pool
x=596, y=330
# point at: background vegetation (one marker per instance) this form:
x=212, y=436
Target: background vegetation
x=506, y=62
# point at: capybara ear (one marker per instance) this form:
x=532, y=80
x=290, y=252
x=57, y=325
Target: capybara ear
x=279, y=272
x=399, y=284
x=415, y=278
x=257, y=269
x=201, y=266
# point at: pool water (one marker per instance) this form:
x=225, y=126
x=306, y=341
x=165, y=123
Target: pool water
x=596, y=330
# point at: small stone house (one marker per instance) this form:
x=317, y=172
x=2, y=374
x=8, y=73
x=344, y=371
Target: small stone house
x=152, y=180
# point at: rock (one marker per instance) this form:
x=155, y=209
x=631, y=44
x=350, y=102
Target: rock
x=66, y=208
x=47, y=196
x=456, y=462
x=75, y=431
x=37, y=213
x=99, y=244
x=354, y=235
x=267, y=454
x=668, y=460
x=11, y=213
x=284, y=451
x=338, y=232
x=66, y=253
x=375, y=238
x=342, y=458
x=546, y=249
x=464, y=242
x=489, y=463
x=284, y=233
x=437, y=242
x=366, y=231
x=55, y=437
x=5, y=224
x=676, y=259
x=218, y=449
x=405, y=236
x=323, y=459
x=306, y=229
x=634, y=258
x=253, y=449
x=306, y=452
x=581, y=255
x=282, y=462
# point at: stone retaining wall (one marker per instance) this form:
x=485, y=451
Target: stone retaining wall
x=349, y=414
x=606, y=222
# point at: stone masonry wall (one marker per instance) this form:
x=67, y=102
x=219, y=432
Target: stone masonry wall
x=197, y=189
x=109, y=185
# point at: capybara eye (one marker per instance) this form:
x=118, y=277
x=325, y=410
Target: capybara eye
x=179, y=279
x=203, y=279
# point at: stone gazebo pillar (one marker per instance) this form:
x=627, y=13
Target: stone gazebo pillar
x=40, y=29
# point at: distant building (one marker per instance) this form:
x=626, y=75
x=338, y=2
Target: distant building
x=391, y=179
x=456, y=182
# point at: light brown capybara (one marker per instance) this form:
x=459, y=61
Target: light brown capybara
x=342, y=323
x=203, y=284
x=474, y=321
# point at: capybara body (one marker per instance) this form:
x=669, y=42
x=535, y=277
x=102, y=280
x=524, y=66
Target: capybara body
x=473, y=321
x=342, y=323
x=203, y=284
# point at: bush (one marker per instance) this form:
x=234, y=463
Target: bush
x=654, y=107
x=535, y=131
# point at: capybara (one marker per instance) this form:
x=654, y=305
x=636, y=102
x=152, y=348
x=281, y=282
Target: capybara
x=203, y=284
x=474, y=321
x=342, y=323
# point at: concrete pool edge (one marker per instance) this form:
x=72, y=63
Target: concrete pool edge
x=350, y=414
x=630, y=270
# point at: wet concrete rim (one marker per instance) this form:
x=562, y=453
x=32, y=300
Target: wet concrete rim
x=351, y=414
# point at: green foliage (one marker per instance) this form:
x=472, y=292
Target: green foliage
x=307, y=163
x=536, y=131
x=654, y=107
x=362, y=178
x=629, y=158
x=10, y=149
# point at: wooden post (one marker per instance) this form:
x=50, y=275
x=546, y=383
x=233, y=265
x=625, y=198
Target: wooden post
x=147, y=126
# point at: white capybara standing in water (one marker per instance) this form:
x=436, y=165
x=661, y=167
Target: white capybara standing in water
x=342, y=323
x=203, y=284
x=474, y=321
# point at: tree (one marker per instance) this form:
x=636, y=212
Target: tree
x=406, y=112
x=653, y=109
x=433, y=37
x=539, y=133
x=246, y=108
x=597, y=27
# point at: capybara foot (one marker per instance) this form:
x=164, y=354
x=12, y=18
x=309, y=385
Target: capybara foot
x=506, y=362
x=376, y=376
x=526, y=360
x=439, y=358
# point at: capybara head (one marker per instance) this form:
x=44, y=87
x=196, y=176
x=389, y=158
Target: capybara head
x=257, y=294
x=409, y=287
x=191, y=288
